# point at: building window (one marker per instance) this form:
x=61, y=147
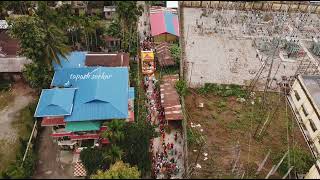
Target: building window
x=313, y=126
x=296, y=95
x=304, y=111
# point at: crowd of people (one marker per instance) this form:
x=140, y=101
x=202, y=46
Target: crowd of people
x=165, y=154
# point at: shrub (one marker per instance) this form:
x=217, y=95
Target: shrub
x=302, y=160
x=92, y=159
x=181, y=87
x=119, y=170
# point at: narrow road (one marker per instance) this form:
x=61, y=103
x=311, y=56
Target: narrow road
x=49, y=165
x=22, y=97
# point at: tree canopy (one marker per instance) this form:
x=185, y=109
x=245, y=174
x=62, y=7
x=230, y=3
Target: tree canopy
x=119, y=170
x=136, y=144
x=92, y=159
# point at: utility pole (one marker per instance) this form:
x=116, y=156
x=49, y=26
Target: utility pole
x=269, y=73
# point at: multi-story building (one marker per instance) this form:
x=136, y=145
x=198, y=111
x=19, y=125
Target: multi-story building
x=304, y=98
x=81, y=99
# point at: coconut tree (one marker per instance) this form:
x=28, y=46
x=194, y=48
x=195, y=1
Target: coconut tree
x=113, y=154
x=115, y=131
x=55, y=45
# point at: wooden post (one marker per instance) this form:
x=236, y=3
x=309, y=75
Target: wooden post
x=238, y=157
x=285, y=176
x=265, y=122
x=269, y=174
x=273, y=170
x=263, y=162
x=29, y=142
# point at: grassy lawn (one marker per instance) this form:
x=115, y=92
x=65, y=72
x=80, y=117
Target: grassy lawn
x=227, y=123
x=23, y=124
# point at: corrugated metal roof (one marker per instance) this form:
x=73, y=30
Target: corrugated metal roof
x=102, y=93
x=75, y=59
x=170, y=100
x=8, y=46
x=164, y=22
x=55, y=102
x=52, y=121
x=83, y=126
x=13, y=64
x=107, y=60
x=163, y=54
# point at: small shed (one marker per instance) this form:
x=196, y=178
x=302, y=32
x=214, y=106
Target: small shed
x=164, y=27
x=163, y=55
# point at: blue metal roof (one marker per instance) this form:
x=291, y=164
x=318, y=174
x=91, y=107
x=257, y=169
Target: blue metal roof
x=131, y=93
x=168, y=19
x=55, y=102
x=102, y=92
x=75, y=59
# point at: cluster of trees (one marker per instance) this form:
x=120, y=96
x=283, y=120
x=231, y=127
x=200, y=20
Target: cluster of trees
x=46, y=34
x=130, y=144
x=124, y=25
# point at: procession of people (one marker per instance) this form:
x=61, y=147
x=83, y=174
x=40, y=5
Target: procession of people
x=167, y=149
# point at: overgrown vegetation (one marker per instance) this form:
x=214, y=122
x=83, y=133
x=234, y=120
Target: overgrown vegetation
x=222, y=90
x=193, y=137
x=5, y=98
x=301, y=159
x=175, y=52
x=227, y=120
x=181, y=87
x=16, y=169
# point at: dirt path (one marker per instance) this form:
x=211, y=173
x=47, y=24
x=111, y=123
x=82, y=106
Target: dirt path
x=49, y=165
x=22, y=97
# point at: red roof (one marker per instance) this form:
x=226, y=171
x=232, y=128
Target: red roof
x=105, y=141
x=9, y=46
x=52, y=121
x=57, y=135
x=85, y=136
x=107, y=59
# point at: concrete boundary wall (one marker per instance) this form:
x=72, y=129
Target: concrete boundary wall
x=263, y=6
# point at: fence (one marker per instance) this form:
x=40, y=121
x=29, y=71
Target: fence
x=33, y=135
x=255, y=5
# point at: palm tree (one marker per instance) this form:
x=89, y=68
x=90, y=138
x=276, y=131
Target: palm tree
x=55, y=45
x=113, y=154
x=115, y=131
x=55, y=40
